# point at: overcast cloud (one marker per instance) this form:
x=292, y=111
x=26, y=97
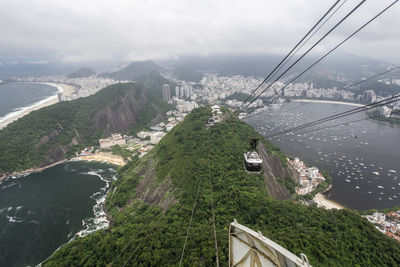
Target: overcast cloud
x=101, y=30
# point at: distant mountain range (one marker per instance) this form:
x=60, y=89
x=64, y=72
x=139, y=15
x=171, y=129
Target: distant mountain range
x=338, y=64
x=328, y=73
x=133, y=71
x=81, y=73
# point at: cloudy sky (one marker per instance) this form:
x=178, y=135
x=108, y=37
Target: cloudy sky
x=80, y=31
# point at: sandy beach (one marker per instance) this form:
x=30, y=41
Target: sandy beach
x=64, y=88
x=13, y=117
x=327, y=102
x=103, y=157
x=323, y=201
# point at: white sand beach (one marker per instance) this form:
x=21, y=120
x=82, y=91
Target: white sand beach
x=64, y=88
x=327, y=102
x=103, y=157
x=323, y=201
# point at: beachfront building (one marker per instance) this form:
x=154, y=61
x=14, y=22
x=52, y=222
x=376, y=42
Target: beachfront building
x=115, y=139
x=308, y=178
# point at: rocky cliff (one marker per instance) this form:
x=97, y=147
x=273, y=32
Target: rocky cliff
x=177, y=202
x=53, y=133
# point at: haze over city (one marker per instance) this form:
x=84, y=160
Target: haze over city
x=41, y=31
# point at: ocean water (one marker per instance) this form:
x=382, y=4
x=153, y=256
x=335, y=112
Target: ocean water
x=14, y=96
x=41, y=211
x=363, y=157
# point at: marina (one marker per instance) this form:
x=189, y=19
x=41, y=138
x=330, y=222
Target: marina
x=358, y=155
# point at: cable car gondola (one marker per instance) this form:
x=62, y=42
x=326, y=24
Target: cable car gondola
x=252, y=160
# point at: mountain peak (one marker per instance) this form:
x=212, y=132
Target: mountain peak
x=81, y=73
x=133, y=71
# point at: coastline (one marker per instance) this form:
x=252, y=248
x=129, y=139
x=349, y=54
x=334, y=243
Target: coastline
x=14, y=115
x=326, y=102
x=384, y=122
x=32, y=170
x=104, y=157
x=323, y=201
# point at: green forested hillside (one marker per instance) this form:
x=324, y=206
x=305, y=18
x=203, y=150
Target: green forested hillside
x=51, y=133
x=152, y=201
x=154, y=80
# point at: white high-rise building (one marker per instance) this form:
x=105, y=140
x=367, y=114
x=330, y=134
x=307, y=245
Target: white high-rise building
x=187, y=92
x=181, y=91
x=177, y=91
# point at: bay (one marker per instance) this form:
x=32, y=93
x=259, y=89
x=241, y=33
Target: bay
x=42, y=211
x=362, y=157
x=14, y=96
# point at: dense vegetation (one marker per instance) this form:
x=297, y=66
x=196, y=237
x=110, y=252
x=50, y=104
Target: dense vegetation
x=123, y=152
x=35, y=138
x=193, y=165
x=155, y=81
x=387, y=210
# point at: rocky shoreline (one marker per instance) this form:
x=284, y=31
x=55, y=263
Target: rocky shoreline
x=105, y=158
x=31, y=170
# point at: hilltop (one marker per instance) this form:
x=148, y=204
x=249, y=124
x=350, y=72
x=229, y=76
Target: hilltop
x=152, y=201
x=144, y=72
x=133, y=71
x=81, y=73
x=54, y=133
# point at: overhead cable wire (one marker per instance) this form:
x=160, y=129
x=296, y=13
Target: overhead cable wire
x=340, y=115
x=190, y=221
x=213, y=215
x=285, y=58
x=137, y=247
x=321, y=58
x=333, y=117
x=346, y=87
x=131, y=242
x=332, y=126
x=333, y=49
x=370, y=78
x=355, y=110
x=295, y=52
x=304, y=54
